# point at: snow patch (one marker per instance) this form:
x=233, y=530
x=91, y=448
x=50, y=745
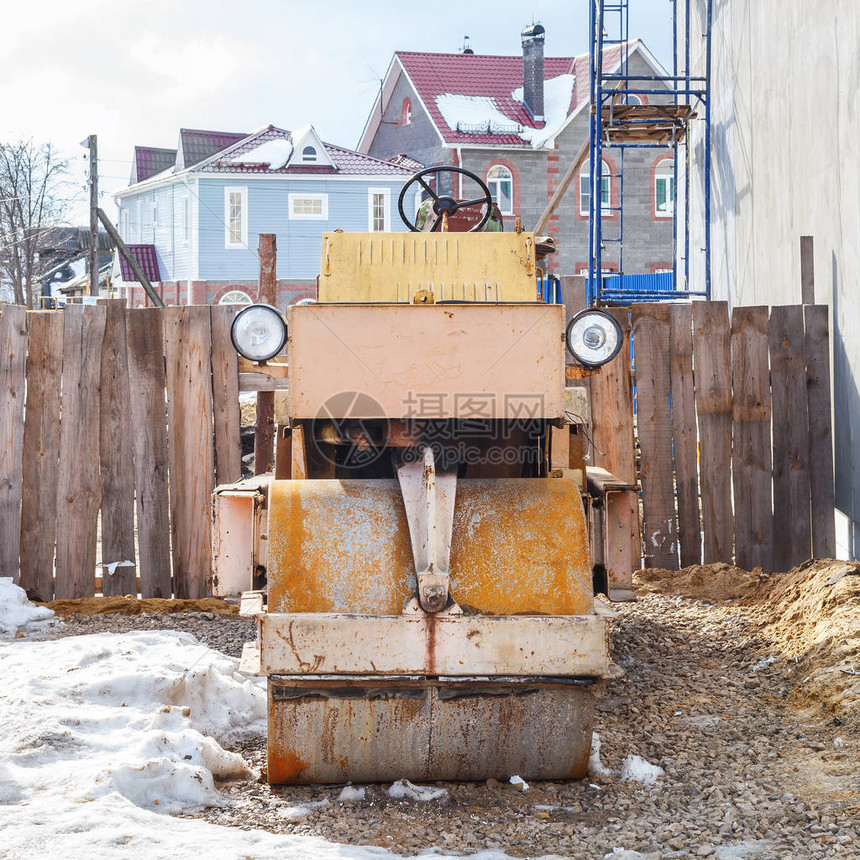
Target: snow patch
x=595, y=766
x=301, y=810
x=405, y=789
x=276, y=153
x=519, y=783
x=351, y=794
x=17, y=614
x=475, y=111
x=636, y=769
x=557, y=93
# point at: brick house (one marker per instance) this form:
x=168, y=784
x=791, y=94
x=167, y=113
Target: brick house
x=518, y=122
x=192, y=215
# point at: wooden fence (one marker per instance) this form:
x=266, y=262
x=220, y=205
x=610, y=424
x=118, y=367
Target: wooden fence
x=132, y=417
x=116, y=400
x=734, y=433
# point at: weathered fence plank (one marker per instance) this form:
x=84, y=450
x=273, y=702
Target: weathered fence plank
x=684, y=432
x=13, y=360
x=79, y=487
x=149, y=442
x=225, y=388
x=820, y=435
x=187, y=341
x=792, y=540
x=711, y=359
x=614, y=447
x=40, y=464
x=651, y=352
x=119, y=572
x=751, y=456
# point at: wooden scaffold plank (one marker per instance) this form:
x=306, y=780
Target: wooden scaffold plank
x=711, y=360
x=149, y=440
x=13, y=360
x=79, y=486
x=751, y=456
x=792, y=535
x=41, y=461
x=820, y=432
x=651, y=354
x=119, y=571
x=187, y=342
x=225, y=389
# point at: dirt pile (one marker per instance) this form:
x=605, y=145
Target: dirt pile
x=715, y=583
x=136, y=606
x=812, y=615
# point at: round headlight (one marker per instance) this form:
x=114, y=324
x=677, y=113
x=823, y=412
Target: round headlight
x=258, y=332
x=594, y=337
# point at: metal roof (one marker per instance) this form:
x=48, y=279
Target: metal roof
x=146, y=258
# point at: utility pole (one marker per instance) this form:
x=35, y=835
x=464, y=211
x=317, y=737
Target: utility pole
x=94, y=215
x=264, y=431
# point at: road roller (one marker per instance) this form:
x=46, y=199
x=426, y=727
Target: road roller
x=419, y=561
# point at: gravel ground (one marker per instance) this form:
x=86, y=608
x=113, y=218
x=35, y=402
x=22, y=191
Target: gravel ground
x=747, y=774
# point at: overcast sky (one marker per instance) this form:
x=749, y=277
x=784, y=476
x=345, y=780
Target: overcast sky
x=136, y=72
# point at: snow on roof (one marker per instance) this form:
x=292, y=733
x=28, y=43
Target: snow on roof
x=276, y=153
x=557, y=94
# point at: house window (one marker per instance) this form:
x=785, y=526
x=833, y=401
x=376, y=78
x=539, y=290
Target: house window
x=235, y=297
x=378, y=210
x=153, y=208
x=309, y=154
x=406, y=117
x=309, y=206
x=236, y=217
x=123, y=226
x=664, y=189
x=632, y=99
x=585, y=191
x=501, y=185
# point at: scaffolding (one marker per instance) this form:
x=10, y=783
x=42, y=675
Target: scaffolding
x=622, y=120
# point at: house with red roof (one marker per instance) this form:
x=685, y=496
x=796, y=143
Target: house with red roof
x=518, y=122
x=192, y=215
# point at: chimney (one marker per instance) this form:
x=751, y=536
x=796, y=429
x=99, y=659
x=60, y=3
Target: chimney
x=532, y=39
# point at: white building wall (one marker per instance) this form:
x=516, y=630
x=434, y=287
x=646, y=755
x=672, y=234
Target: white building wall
x=786, y=163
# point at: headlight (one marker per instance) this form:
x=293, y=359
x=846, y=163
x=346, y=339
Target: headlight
x=594, y=337
x=258, y=332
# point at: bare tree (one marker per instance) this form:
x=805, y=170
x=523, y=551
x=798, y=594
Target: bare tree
x=31, y=180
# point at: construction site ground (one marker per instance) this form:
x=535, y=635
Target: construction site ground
x=743, y=687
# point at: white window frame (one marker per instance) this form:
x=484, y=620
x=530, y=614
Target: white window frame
x=667, y=176
x=242, y=190
x=226, y=298
x=585, y=190
x=153, y=213
x=306, y=157
x=386, y=209
x=123, y=224
x=494, y=184
x=303, y=216
x=407, y=111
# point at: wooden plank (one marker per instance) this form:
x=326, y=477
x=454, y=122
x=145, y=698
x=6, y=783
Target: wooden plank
x=187, y=346
x=751, y=455
x=225, y=392
x=712, y=367
x=807, y=270
x=79, y=486
x=40, y=465
x=13, y=361
x=820, y=432
x=792, y=535
x=119, y=572
x=651, y=351
x=614, y=447
x=299, y=464
x=684, y=432
x=149, y=442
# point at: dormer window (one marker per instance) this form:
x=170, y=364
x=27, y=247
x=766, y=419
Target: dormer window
x=309, y=155
x=406, y=115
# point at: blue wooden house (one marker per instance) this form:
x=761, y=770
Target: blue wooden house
x=192, y=215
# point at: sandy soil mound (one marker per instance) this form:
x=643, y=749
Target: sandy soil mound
x=135, y=606
x=712, y=582
x=812, y=615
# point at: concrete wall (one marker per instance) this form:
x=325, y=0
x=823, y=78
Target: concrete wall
x=786, y=151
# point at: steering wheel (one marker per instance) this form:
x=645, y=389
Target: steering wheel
x=443, y=204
